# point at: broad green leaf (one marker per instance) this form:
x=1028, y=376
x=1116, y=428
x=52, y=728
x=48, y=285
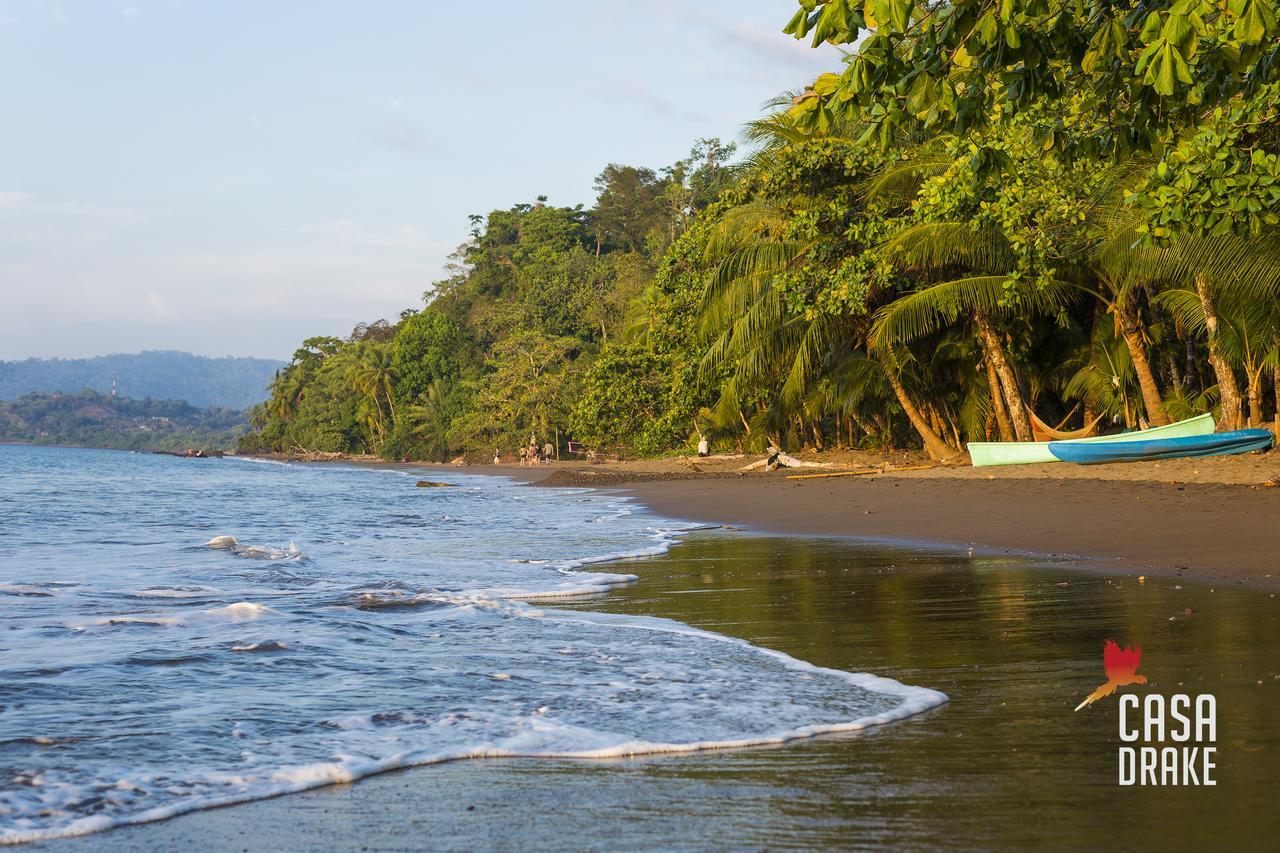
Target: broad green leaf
x=826, y=84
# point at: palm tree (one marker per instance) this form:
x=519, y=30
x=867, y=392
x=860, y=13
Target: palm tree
x=372, y=372
x=430, y=419
x=1224, y=274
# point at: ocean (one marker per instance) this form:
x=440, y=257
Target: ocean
x=180, y=634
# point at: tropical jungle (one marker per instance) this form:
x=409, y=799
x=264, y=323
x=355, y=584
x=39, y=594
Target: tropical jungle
x=994, y=210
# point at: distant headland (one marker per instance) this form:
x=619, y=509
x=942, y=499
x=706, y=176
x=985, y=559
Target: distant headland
x=228, y=382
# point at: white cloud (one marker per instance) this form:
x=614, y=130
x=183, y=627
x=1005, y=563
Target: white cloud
x=159, y=308
x=25, y=206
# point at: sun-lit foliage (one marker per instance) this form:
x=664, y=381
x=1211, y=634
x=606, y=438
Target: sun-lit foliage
x=995, y=212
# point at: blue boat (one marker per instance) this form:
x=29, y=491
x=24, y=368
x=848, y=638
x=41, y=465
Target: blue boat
x=1217, y=444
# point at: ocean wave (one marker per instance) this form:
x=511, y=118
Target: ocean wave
x=175, y=592
x=413, y=738
x=254, y=552
x=263, y=646
x=240, y=611
x=398, y=646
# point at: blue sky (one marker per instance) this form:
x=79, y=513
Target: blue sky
x=230, y=177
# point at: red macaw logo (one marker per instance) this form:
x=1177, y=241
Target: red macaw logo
x=1121, y=666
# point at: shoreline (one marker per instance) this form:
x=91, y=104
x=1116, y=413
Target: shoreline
x=1013, y=643
x=1212, y=532
x=1215, y=520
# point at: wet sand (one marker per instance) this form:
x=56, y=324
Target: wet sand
x=1007, y=764
x=1014, y=640
x=1215, y=520
x=1214, y=533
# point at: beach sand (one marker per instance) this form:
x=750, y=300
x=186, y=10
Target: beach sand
x=1014, y=640
x=1216, y=520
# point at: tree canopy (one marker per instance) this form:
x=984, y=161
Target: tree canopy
x=995, y=213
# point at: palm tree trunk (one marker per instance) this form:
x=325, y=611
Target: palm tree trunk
x=933, y=443
x=997, y=402
x=1151, y=399
x=1255, y=396
x=1228, y=390
x=1012, y=394
x=1275, y=386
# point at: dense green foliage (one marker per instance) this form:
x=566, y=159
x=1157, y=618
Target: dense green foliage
x=533, y=334
x=995, y=211
x=236, y=383
x=90, y=419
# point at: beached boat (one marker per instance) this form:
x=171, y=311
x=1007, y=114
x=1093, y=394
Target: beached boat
x=1027, y=452
x=1218, y=444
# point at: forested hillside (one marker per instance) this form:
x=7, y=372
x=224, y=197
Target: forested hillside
x=90, y=419
x=992, y=211
x=237, y=383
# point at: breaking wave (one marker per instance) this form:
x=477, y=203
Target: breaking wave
x=390, y=644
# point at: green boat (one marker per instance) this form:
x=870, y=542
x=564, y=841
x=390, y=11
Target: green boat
x=1027, y=452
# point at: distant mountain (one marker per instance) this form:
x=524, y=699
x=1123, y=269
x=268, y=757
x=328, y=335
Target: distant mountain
x=235, y=383
x=90, y=419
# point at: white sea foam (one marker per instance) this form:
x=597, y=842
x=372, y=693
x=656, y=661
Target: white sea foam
x=25, y=589
x=176, y=592
x=242, y=610
x=254, y=552
x=399, y=646
x=532, y=735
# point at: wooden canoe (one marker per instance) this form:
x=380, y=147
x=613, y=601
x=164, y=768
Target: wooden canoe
x=1026, y=452
x=1217, y=444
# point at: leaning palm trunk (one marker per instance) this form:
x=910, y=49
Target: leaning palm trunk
x=933, y=443
x=1151, y=399
x=1228, y=390
x=1275, y=386
x=1012, y=394
x=997, y=402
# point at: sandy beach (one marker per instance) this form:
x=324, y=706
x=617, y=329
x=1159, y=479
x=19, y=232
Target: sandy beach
x=997, y=588
x=1209, y=519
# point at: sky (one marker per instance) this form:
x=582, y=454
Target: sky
x=228, y=178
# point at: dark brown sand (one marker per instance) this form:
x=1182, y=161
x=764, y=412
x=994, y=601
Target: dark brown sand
x=1209, y=532
x=1214, y=532
x=1216, y=520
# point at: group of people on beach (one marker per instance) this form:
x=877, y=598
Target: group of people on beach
x=531, y=454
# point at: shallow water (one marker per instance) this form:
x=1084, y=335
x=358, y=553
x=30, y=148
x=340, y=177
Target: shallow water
x=179, y=634
x=1016, y=644
x=1006, y=764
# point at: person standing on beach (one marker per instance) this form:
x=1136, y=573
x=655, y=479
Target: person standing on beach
x=704, y=447
x=523, y=455
x=547, y=452
x=497, y=456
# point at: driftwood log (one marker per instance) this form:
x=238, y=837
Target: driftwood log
x=777, y=459
x=867, y=473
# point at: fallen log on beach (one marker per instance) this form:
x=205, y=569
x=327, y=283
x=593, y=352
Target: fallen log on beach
x=431, y=484
x=778, y=459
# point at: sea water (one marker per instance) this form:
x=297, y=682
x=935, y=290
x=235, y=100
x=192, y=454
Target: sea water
x=177, y=634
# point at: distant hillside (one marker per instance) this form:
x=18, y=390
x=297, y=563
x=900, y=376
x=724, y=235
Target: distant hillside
x=90, y=419
x=237, y=383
